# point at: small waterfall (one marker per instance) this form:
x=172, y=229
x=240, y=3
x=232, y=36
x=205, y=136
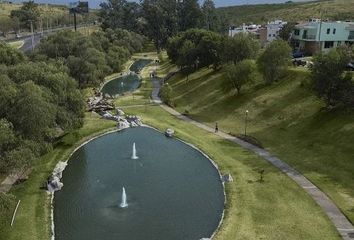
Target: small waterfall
x=124, y=203
x=134, y=156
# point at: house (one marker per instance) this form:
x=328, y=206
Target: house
x=252, y=28
x=265, y=34
x=317, y=35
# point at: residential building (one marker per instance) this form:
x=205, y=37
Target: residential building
x=252, y=28
x=316, y=35
x=270, y=31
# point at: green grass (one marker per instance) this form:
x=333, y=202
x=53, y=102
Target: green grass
x=301, y=11
x=33, y=216
x=17, y=44
x=288, y=119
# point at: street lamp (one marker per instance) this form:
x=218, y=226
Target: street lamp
x=246, y=118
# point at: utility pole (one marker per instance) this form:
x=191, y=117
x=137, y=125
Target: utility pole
x=75, y=20
x=32, y=36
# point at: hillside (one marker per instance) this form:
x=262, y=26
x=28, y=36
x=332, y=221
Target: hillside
x=261, y=13
x=288, y=120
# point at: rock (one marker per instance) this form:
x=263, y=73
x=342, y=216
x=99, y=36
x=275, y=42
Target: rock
x=53, y=183
x=169, y=132
x=123, y=124
x=227, y=178
x=120, y=112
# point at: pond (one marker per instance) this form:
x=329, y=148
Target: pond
x=172, y=190
x=120, y=85
x=139, y=64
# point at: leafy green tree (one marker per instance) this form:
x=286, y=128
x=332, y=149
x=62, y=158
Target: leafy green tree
x=286, y=31
x=29, y=12
x=210, y=17
x=241, y=46
x=7, y=24
x=10, y=55
x=274, y=61
x=160, y=18
x=329, y=78
x=8, y=92
x=33, y=114
x=166, y=94
x=116, y=57
x=239, y=75
x=203, y=48
x=120, y=14
x=189, y=14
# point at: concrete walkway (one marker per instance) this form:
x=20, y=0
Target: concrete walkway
x=343, y=225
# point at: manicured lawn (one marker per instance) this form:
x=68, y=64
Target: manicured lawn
x=33, y=216
x=288, y=119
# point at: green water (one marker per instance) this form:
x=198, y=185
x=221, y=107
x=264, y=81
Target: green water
x=139, y=64
x=121, y=85
x=173, y=191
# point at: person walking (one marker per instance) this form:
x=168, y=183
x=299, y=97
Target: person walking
x=216, y=127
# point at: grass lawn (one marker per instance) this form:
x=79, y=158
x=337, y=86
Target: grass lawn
x=17, y=44
x=33, y=216
x=288, y=119
x=275, y=209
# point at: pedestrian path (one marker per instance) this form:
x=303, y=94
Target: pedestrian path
x=343, y=225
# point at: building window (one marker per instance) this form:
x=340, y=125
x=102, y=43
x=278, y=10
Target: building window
x=329, y=44
x=297, y=32
x=269, y=35
x=273, y=35
x=328, y=30
x=334, y=31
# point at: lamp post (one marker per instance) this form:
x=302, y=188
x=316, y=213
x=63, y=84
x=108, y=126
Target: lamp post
x=246, y=118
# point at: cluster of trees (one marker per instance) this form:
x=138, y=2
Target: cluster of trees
x=198, y=48
x=90, y=58
x=38, y=102
x=160, y=19
x=331, y=81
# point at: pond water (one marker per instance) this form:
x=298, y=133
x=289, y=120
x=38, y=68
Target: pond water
x=139, y=64
x=173, y=192
x=121, y=85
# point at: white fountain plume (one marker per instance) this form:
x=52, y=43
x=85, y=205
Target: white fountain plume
x=124, y=203
x=134, y=156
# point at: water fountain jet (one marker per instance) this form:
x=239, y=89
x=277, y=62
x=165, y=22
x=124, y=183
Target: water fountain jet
x=134, y=156
x=124, y=203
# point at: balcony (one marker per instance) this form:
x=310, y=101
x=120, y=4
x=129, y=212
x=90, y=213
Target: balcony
x=308, y=37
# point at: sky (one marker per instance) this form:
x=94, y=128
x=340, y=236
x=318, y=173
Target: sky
x=218, y=3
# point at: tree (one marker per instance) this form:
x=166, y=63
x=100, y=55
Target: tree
x=29, y=12
x=286, y=31
x=7, y=24
x=189, y=14
x=10, y=55
x=330, y=82
x=8, y=92
x=116, y=57
x=160, y=20
x=210, y=18
x=274, y=61
x=241, y=46
x=239, y=75
x=33, y=114
x=120, y=14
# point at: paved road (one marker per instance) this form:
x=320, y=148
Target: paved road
x=343, y=225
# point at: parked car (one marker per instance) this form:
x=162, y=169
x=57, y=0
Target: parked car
x=350, y=66
x=298, y=54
